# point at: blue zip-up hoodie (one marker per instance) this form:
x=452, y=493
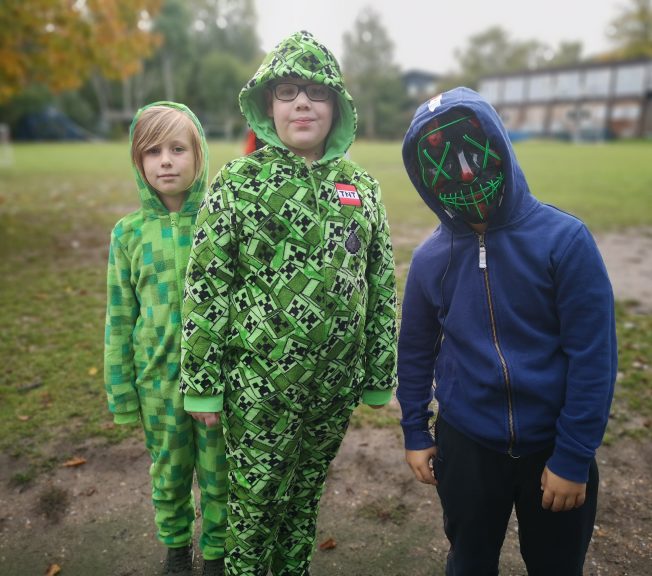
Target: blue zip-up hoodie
x=523, y=351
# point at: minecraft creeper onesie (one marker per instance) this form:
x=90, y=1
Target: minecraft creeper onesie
x=147, y=261
x=289, y=317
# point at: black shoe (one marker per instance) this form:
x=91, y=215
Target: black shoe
x=213, y=567
x=178, y=562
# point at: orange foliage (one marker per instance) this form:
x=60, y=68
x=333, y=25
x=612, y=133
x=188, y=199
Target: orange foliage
x=60, y=43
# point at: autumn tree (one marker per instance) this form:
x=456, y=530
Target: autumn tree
x=61, y=43
x=631, y=30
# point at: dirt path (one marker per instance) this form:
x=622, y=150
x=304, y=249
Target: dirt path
x=383, y=522
x=627, y=256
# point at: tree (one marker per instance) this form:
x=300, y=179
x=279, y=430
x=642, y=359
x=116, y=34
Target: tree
x=61, y=43
x=567, y=53
x=494, y=52
x=631, y=30
x=223, y=76
x=227, y=26
x=371, y=76
x=173, y=23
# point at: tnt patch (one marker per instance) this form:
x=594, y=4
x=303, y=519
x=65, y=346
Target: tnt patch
x=347, y=194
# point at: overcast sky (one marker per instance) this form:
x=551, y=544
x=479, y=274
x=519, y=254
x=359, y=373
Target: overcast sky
x=426, y=32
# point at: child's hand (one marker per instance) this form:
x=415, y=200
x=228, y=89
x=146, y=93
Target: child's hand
x=421, y=463
x=211, y=419
x=560, y=494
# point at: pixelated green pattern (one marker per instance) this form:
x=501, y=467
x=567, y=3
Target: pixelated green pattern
x=281, y=438
x=270, y=273
x=301, y=56
x=148, y=257
x=290, y=312
x=179, y=446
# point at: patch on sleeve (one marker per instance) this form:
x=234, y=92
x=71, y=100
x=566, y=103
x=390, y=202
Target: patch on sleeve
x=353, y=243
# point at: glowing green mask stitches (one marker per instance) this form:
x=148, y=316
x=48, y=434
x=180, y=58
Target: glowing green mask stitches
x=457, y=163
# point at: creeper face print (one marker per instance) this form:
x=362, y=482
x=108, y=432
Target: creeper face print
x=457, y=163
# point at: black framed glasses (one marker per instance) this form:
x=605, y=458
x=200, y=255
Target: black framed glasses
x=287, y=92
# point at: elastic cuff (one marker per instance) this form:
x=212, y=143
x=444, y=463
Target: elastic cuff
x=126, y=418
x=376, y=397
x=203, y=403
x=417, y=439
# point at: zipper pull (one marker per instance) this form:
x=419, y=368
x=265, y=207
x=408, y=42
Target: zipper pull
x=483, y=253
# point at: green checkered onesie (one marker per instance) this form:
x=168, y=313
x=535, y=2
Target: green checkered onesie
x=289, y=320
x=147, y=261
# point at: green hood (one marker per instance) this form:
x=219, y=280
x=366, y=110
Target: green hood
x=148, y=197
x=300, y=56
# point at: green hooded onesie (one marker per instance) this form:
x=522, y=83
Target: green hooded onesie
x=147, y=261
x=289, y=317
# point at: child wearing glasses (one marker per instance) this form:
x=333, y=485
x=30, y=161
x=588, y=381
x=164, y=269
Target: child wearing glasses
x=290, y=307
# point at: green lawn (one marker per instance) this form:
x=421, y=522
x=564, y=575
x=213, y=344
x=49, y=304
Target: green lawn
x=59, y=202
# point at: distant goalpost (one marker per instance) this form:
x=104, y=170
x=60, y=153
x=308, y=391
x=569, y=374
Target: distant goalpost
x=6, y=152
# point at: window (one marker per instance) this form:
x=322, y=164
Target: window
x=630, y=80
x=490, y=89
x=514, y=90
x=596, y=82
x=540, y=87
x=568, y=85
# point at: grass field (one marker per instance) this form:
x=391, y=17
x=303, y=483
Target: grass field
x=59, y=202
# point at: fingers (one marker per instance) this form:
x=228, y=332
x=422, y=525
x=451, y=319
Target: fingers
x=425, y=475
x=560, y=503
x=212, y=420
x=559, y=494
x=420, y=461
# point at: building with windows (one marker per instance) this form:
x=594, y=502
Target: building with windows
x=594, y=100
x=420, y=85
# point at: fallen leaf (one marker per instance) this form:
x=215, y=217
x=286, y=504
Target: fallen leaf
x=23, y=418
x=328, y=544
x=92, y=371
x=76, y=461
x=53, y=569
x=30, y=386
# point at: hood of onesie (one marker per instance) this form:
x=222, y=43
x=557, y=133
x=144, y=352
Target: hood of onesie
x=149, y=199
x=300, y=56
x=516, y=199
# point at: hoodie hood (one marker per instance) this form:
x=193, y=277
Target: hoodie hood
x=149, y=199
x=300, y=56
x=516, y=201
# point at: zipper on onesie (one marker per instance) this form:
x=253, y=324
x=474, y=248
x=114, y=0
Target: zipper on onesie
x=482, y=256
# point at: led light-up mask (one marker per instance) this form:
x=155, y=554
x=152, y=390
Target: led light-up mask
x=457, y=163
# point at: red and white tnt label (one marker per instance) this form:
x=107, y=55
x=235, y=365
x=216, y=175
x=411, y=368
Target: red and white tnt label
x=347, y=194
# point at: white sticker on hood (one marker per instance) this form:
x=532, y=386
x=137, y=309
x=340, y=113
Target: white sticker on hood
x=434, y=102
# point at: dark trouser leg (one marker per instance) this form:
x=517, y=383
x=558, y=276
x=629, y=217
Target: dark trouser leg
x=553, y=542
x=476, y=491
